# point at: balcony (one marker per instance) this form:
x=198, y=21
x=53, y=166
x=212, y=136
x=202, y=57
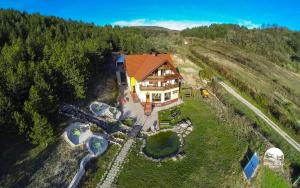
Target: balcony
x=157, y=88
x=164, y=67
x=162, y=78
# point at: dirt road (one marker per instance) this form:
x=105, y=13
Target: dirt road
x=269, y=122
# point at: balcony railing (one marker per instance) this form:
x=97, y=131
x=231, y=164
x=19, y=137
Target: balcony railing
x=164, y=67
x=159, y=88
x=165, y=77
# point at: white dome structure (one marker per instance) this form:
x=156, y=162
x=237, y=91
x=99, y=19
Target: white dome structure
x=274, y=158
x=77, y=133
x=274, y=153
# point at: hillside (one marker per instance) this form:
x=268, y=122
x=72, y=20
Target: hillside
x=279, y=45
x=270, y=80
x=271, y=86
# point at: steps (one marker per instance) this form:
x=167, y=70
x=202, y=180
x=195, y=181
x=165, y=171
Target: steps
x=135, y=98
x=148, y=108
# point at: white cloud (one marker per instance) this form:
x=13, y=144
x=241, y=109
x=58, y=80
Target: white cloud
x=248, y=24
x=177, y=25
x=170, y=24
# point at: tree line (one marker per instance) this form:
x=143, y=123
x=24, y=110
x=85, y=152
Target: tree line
x=48, y=61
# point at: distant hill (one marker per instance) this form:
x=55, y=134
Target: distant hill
x=157, y=28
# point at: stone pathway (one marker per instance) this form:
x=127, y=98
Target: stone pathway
x=116, y=167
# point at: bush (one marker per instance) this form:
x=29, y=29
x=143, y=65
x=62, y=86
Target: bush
x=161, y=145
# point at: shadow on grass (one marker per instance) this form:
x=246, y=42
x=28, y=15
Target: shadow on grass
x=18, y=174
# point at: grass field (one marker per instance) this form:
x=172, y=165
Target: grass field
x=288, y=130
x=213, y=152
x=272, y=179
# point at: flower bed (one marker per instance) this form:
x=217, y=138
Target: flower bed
x=170, y=116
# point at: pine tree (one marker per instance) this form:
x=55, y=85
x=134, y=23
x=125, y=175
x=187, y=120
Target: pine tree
x=41, y=132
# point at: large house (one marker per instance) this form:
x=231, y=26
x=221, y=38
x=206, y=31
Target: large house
x=152, y=79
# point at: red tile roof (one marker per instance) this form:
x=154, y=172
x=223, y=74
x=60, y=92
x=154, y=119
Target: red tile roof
x=141, y=66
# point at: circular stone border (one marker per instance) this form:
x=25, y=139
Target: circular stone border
x=89, y=147
x=102, y=111
x=76, y=124
x=105, y=111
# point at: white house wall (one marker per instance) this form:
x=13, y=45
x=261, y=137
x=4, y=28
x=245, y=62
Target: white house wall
x=142, y=94
x=137, y=89
x=128, y=81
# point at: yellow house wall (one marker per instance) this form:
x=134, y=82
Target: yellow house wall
x=132, y=81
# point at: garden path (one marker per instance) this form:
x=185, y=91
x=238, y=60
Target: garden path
x=116, y=167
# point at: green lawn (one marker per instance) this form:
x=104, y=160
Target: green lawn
x=272, y=179
x=96, y=168
x=162, y=144
x=213, y=152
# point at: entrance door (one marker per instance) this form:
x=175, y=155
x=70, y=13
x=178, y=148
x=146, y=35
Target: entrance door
x=147, y=97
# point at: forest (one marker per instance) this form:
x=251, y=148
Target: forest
x=278, y=44
x=46, y=62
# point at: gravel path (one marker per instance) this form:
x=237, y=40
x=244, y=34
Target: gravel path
x=116, y=167
x=259, y=113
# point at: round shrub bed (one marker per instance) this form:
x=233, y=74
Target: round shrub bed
x=162, y=145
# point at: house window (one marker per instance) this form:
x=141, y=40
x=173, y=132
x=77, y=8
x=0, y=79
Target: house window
x=167, y=96
x=156, y=97
x=175, y=92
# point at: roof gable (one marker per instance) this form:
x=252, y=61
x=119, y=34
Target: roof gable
x=140, y=66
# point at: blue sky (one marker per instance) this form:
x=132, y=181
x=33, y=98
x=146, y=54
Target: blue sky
x=173, y=14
